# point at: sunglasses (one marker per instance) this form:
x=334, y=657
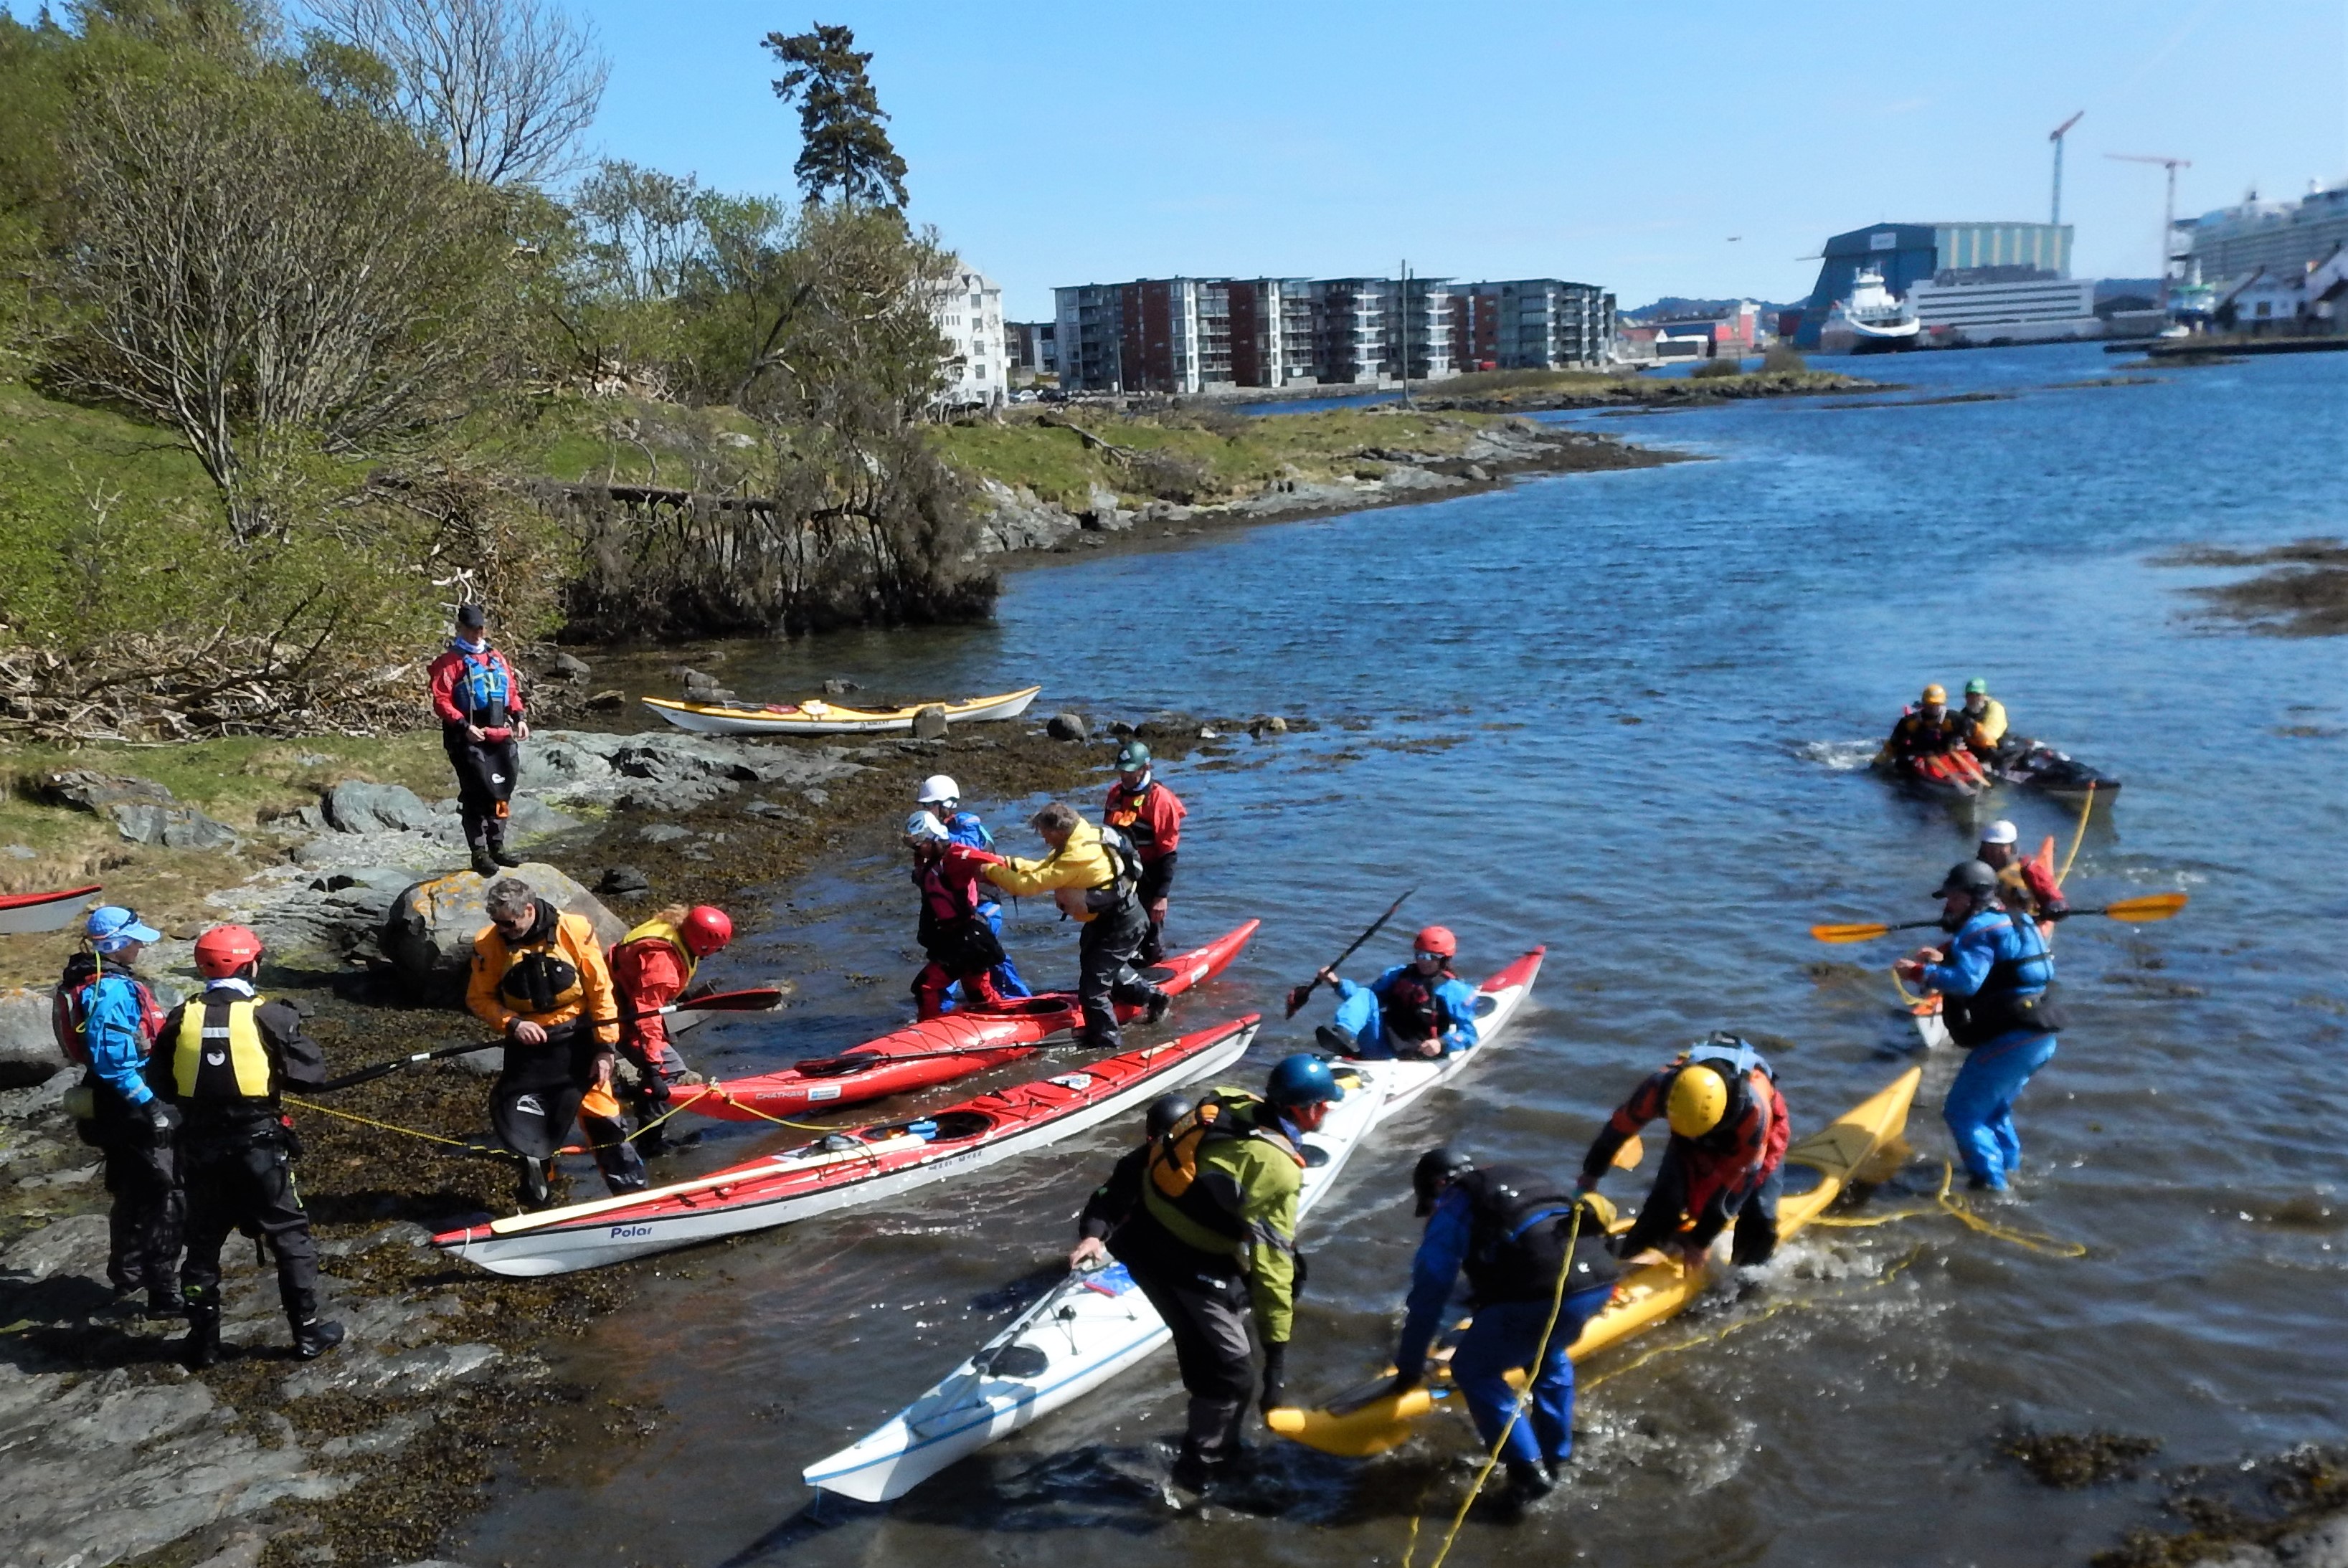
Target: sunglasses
x=1437, y=956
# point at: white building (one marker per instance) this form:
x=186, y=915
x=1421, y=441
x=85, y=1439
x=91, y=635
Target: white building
x=968, y=306
x=2027, y=309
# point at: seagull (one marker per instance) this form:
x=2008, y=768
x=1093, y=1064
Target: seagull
x=1732, y=238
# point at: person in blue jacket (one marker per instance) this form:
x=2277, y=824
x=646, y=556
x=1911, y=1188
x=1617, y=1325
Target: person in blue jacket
x=942, y=797
x=1527, y=1253
x=1995, y=979
x=114, y=1021
x=1416, y=1010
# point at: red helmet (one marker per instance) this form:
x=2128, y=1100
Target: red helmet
x=1438, y=940
x=707, y=930
x=224, y=950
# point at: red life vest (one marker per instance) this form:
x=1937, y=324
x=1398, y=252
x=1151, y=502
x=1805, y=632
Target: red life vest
x=1414, y=1007
x=69, y=1011
x=941, y=899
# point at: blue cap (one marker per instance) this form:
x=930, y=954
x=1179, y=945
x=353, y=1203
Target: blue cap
x=111, y=927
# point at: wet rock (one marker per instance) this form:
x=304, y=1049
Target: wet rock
x=1475, y=473
x=698, y=679
x=351, y=806
x=2067, y=1460
x=74, y=1247
x=608, y=701
x=929, y=723
x=816, y=796
x=389, y=1438
x=83, y=789
x=409, y=1372
x=1264, y=725
x=662, y=833
x=561, y=666
x=836, y=687
x=28, y=1050
x=623, y=882
x=428, y=937
x=768, y=809
x=1167, y=726
x=1068, y=727
x=173, y=826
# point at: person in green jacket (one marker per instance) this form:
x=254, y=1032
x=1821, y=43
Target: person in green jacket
x=1214, y=1235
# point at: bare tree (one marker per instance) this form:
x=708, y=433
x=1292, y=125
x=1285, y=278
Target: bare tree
x=506, y=85
x=273, y=278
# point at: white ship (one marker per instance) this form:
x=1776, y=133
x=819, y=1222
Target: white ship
x=1872, y=319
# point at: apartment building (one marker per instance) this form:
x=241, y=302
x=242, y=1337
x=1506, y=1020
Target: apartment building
x=1531, y=323
x=1032, y=347
x=968, y=307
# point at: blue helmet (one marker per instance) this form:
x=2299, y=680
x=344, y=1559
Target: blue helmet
x=1303, y=1079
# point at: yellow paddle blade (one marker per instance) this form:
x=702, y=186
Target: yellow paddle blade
x=1633, y=1150
x=1867, y=933
x=2144, y=911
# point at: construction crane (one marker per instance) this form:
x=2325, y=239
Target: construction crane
x=2168, y=211
x=2055, y=135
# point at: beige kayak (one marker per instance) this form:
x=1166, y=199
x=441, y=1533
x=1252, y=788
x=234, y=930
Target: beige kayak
x=1370, y=1422
x=817, y=717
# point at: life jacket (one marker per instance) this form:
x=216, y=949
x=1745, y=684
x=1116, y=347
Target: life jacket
x=539, y=978
x=942, y=903
x=1172, y=1171
x=483, y=687
x=1735, y=1062
x=1126, y=818
x=1517, y=1247
x=218, y=1052
x=69, y=1008
x=658, y=930
x=1998, y=1007
x=1413, y=1007
x=1118, y=891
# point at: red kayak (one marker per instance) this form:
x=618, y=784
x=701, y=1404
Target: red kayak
x=21, y=913
x=847, y=1167
x=938, y=1052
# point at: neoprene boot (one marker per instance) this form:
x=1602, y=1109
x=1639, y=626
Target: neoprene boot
x=201, y=1349
x=1528, y=1484
x=483, y=863
x=535, y=1192
x=312, y=1336
x=499, y=854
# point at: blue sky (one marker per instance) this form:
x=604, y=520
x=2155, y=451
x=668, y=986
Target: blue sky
x=1623, y=145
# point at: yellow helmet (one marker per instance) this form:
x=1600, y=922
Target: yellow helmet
x=1699, y=1100
x=1936, y=692
x=1601, y=1210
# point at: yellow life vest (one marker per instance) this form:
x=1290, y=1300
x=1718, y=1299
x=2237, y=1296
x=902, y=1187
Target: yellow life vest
x=218, y=1053
x=659, y=931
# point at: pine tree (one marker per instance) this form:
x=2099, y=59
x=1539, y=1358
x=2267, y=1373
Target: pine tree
x=844, y=148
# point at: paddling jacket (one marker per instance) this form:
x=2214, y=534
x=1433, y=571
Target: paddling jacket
x=1985, y=729
x=651, y=967
x=1735, y=1157
x=1506, y=1226
x=1094, y=872
x=475, y=686
x=1995, y=980
x=1223, y=1180
x=1113, y=1201
x=106, y=1020
x=553, y=977
x=953, y=885
x=1405, y=1005
x=230, y=1053
x=1151, y=817
x=1918, y=736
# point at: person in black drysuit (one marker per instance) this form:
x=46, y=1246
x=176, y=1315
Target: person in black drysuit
x=228, y=1053
x=477, y=699
x=1114, y=1200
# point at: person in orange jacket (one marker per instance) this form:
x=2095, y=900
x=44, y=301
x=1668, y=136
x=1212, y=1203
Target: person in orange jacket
x=540, y=978
x=651, y=966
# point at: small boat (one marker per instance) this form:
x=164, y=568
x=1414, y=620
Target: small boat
x=2034, y=765
x=938, y=1052
x=1095, y=1325
x=845, y=1169
x=23, y=913
x=817, y=717
x=1371, y=1421
x=1871, y=320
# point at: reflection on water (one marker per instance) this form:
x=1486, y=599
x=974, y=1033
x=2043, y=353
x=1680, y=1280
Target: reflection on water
x=1617, y=713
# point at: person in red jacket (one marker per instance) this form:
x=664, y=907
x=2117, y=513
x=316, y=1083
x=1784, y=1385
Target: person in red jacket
x=480, y=703
x=1729, y=1130
x=651, y=968
x=961, y=945
x=1151, y=816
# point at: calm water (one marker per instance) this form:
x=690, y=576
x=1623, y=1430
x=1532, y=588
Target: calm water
x=1616, y=713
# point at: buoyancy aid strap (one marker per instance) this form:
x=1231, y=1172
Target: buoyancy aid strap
x=659, y=931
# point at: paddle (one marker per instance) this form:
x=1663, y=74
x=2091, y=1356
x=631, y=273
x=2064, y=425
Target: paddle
x=857, y=1060
x=2140, y=911
x=1299, y=995
x=758, y=1000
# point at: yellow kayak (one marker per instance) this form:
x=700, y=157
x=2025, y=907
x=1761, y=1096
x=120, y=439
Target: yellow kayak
x=817, y=717
x=1370, y=1422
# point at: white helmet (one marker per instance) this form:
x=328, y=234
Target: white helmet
x=938, y=789
x=2000, y=833
x=924, y=824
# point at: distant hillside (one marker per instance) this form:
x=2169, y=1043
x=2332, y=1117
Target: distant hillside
x=1677, y=305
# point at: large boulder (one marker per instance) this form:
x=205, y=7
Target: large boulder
x=428, y=934
x=83, y=789
x=28, y=1050
x=351, y=806
x=173, y=826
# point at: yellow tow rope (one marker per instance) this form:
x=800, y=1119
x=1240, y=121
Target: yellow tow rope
x=1942, y=1203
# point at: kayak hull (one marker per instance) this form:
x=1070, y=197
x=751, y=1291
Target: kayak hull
x=1373, y=1423
x=825, y=719
x=876, y=1163
x=923, y=1055
x=23, y=912
x=1093, y=1326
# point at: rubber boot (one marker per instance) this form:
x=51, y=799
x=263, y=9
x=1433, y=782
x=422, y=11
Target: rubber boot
x=483, y=865
x=499, y=854
x=312, y=1336
x=201, y=1349
x=164, y=1302
x=1528, y=1483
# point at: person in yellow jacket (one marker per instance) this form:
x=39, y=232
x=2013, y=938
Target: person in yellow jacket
x=1095, y=878
x=1982, y=718
x=540, y=978
x=1214, y=1233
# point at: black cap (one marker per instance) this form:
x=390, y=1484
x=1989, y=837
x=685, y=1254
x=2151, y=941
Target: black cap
x=1972, y=877
x=472, y=617
x=1164, y=1112
x=1434, y=1168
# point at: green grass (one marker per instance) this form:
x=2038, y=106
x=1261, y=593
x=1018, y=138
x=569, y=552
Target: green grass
x=1483, y=382
x=62, y=457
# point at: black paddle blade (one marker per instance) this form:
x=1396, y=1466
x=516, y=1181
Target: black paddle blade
x=761, y=1001
x=1298, y=996
x=835, y=1066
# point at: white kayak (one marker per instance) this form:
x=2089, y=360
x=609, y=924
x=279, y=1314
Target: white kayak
x=817, y=717
x=1094, y=1326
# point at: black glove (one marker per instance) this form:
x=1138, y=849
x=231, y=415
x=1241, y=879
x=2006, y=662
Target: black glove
x=1275, y=1377
x=162, y=1120
x=654, y=1088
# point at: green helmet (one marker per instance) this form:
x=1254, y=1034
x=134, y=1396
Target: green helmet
x=1132, y=757
x=1977, y=687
